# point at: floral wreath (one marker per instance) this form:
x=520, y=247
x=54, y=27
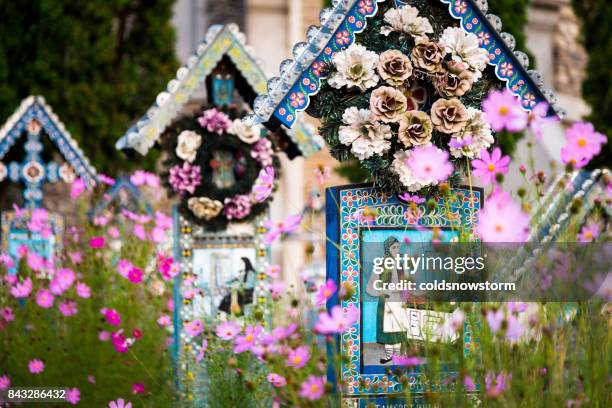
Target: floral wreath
x=223, y=170
x=404, y=100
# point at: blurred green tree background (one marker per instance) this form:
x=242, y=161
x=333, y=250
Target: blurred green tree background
x=596, y=16
x=98, y=63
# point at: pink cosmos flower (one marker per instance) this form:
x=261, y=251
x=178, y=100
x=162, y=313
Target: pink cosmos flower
x=495, y=385
x=36, y=366
x=120, y=403
x=203, y=347
x=469, y=383
x=337, y=321
x=313, y=388
x=22, y=251
x=64, y=278
x=137, y=333
x=6, y=260
x=112, y=316
x=430, y=162
x=101, y=220
x=35, y=261
x=215, y=121
x=44, y=298
x=538, y=119
x=407, y=198
x=276, y=380
x=142, y=178
x=83, y=290
x=194, y=328
x=286, y=226
x=298, y=357
x=68, y=308
x=408, y=361
x=78, y=187
x=158, y=235
x=73, y=395
x=140, y=232
x=22, y=289
x=514, y=329
x=120, y=342
x=10, y=278
x=135, y=275
x=589, y=232
x=583, y=138
x=502, y=220
x=109, y=181
x=103, y=335
x=124, y=267
x=91, y=379
x=164, y=320
x=75, y=257
x=249, y=340
x=185, y=178
x=39, y=222
x=490, y=164
x=7, y=314
x=326, y=291
x=264, y=184
x=276, y=289
x=227, y=330
x=138, y=388
x=322, y=174
x=573, y=157
x=167, y=267
x=503, y=110
x=273, y=271
x=96, y=242
x=495, y=319
x=162, y=220
x=5, y=382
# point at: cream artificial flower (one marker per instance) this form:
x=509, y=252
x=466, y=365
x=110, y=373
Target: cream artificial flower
x=248, y=134
x=363, y=133
x=3, y=171
x=188, y=144
x=406, y=20
x=475, y=137
x=406, y=177
x=355, y=67
x=465, y=47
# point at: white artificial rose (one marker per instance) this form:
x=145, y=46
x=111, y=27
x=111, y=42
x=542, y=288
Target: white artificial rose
x=248, y=134
x=465, y=47
x=355, y=67
x=188, y=144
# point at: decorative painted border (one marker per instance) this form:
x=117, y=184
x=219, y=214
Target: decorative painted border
x=301, y=78
x=344, y=205
x=35, y=107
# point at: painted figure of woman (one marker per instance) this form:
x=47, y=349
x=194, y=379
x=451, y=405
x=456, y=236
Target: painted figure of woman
x=390, y=314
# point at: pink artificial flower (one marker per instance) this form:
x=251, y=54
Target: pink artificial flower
x=44, y=298
x=120, y=403
x=5, y=382
x=78, y=187
x=194, y=328
x=109, y=181
x=135, y=275
x=273, y=271
x=276, y=288
x=298, y=357
x=430, y=163
x=96, y=242
x=322, y=173
x=22, y=289
x=326, y=291
x=75, y=257
x=589, y=232
x=313, y=388
x=68, y=308
x=249, y=340
x=215, y=121
x=7, y=314
x=119, y=342
x=73, y=395
x=36, y=366
x=502, y=220
x=286, y=226
x=138, y=388
x=238, y=206
x=337, y=321
x=503, y=110
x=469, y=383
x=185, y=178
x=103, y=335
x=538, y=119
x=83, y=290
x=276, y=380
x=495, y=319
x=264, y=184
x=227, y=330
x=408, y=361
x=490, y=164
x=112, y=316
x=495, y=385
x=164, y=320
